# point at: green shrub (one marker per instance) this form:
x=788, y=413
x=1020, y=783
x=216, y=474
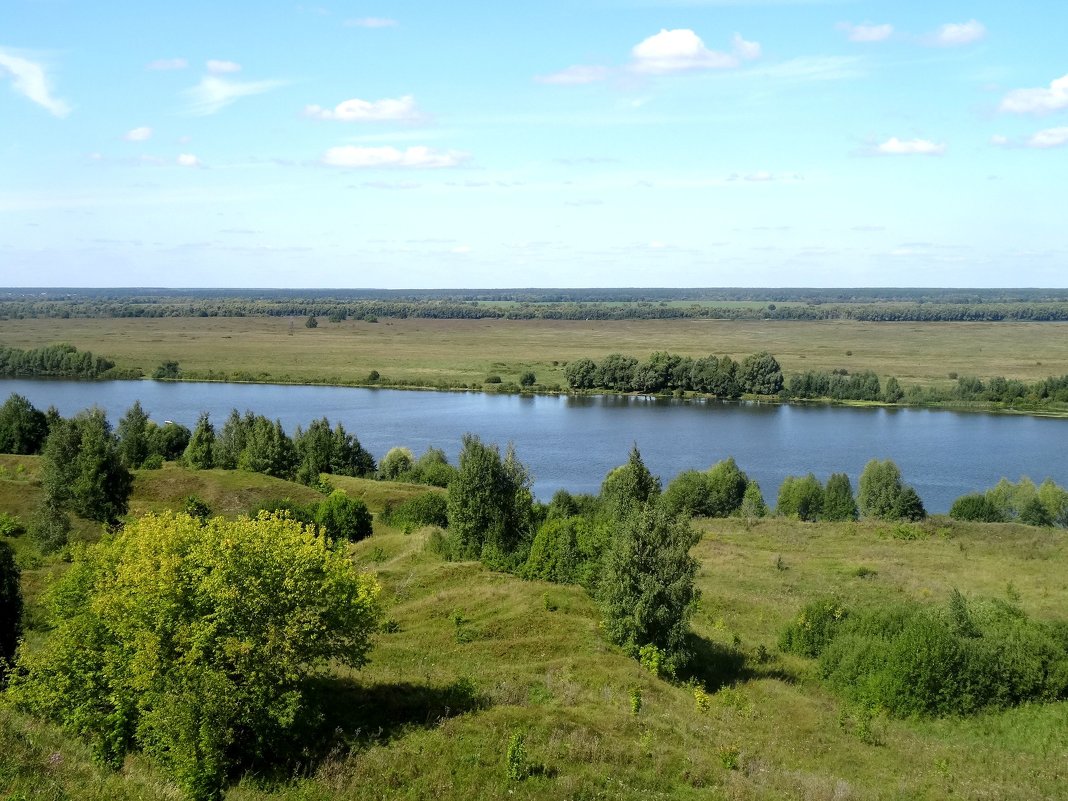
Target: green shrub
x=344, y=517
x=958, y=659
x=975, y=507
x=554, y=554
x=814, y=627
x=426, y=509
x=10, y=525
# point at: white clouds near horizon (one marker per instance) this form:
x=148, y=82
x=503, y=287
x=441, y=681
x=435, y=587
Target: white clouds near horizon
x=28, y=78
x=400, y=109
x=576, y=75
x=213, y=94
x=909, y=147
x=417, y=156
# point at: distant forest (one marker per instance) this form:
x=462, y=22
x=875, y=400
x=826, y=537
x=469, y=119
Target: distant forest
x=871, y=304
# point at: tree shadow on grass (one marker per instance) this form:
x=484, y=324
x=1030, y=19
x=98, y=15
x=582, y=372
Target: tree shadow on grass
x=347, y=716
x=715, y=666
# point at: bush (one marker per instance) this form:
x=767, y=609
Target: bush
x=813, y=628
x=959, y=659
x=395, y=463
x=168, y=639
x=882, y=495
x=427, y=509
x=800, y=497
x=838, y=501
x=344, y=517
x=153, y=461
x=554, y=554
x=975, y=507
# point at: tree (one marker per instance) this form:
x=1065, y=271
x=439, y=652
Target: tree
x=753, y=505
x=647, y=595
x=200, y=452
x=687, y=494
x=10, y=608
x=800, y=497
x=311, y=322
x=528, y=379
x=268, y=450
x=838, y=501
x=760, y=374
x=726, y=488
x=395, y=463
x=882, y=495
x=169, y=440
x=629, y=485
x=132, y=432
x=892, y=392
x=344, y=517
x=194, y=642
x=315, y=451
x=489, y=503
x=231, y=441
x=168, y=371
x=581, y=374
x=23, y=427
x=81, y=470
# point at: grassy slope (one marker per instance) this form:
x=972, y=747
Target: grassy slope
x=466, y=351
x=551, y=675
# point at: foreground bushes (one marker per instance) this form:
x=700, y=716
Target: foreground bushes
x=192, y=642
x=912, y=659
x=1022, y=502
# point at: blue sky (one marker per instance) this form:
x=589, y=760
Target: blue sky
x=569, y=143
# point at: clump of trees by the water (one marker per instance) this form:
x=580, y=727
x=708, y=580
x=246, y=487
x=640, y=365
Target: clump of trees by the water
x=1022, y=502
x=58, y=361
x=722, y=377
x=912, y=659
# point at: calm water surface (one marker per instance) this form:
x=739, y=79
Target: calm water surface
x=573, y=442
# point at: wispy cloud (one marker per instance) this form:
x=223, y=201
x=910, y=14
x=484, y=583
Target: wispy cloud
x=163, y=64
x=1050, y=137
x=221, y=67
x=418, y=156
x=866, y=31
x=356, y=110
x=370, y=22
x=909, y=147
x=1037, y=101
x=188, y=160
x=213, y=94
x=955, y=34
x=141, y=134
x=29, y=79
x=575, y=75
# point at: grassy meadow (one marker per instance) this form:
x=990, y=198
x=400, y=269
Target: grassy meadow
x=428, y=352
x=475, y=656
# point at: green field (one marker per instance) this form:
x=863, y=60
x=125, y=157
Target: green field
x=431, y=716
x=428, y=352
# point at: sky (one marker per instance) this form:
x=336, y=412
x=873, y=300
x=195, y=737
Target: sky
x=558, y=143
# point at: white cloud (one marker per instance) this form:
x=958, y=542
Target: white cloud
x=418, y=156
x=356, y=110
x=188, y=160
x=220, y=67
x=999, y=140
x=954, y=34
x=370, y=22
x=1037, y=101
x=461, y=250
x=213, y=94
x=138, y=134
x=167, y=64
x=866, y=31
x=678, y=50
x=28, y=78
x=746, y=51
x=910, y=147
x=1051, y=137
x=576, y=75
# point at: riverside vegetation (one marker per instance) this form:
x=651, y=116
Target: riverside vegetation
x=611, y=645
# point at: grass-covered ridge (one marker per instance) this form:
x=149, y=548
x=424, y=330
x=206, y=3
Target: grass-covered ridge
x=473, y=657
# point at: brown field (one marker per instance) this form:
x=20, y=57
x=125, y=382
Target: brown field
x=452, y=352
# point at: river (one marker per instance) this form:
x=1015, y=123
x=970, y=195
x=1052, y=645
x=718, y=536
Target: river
x=572, y=442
